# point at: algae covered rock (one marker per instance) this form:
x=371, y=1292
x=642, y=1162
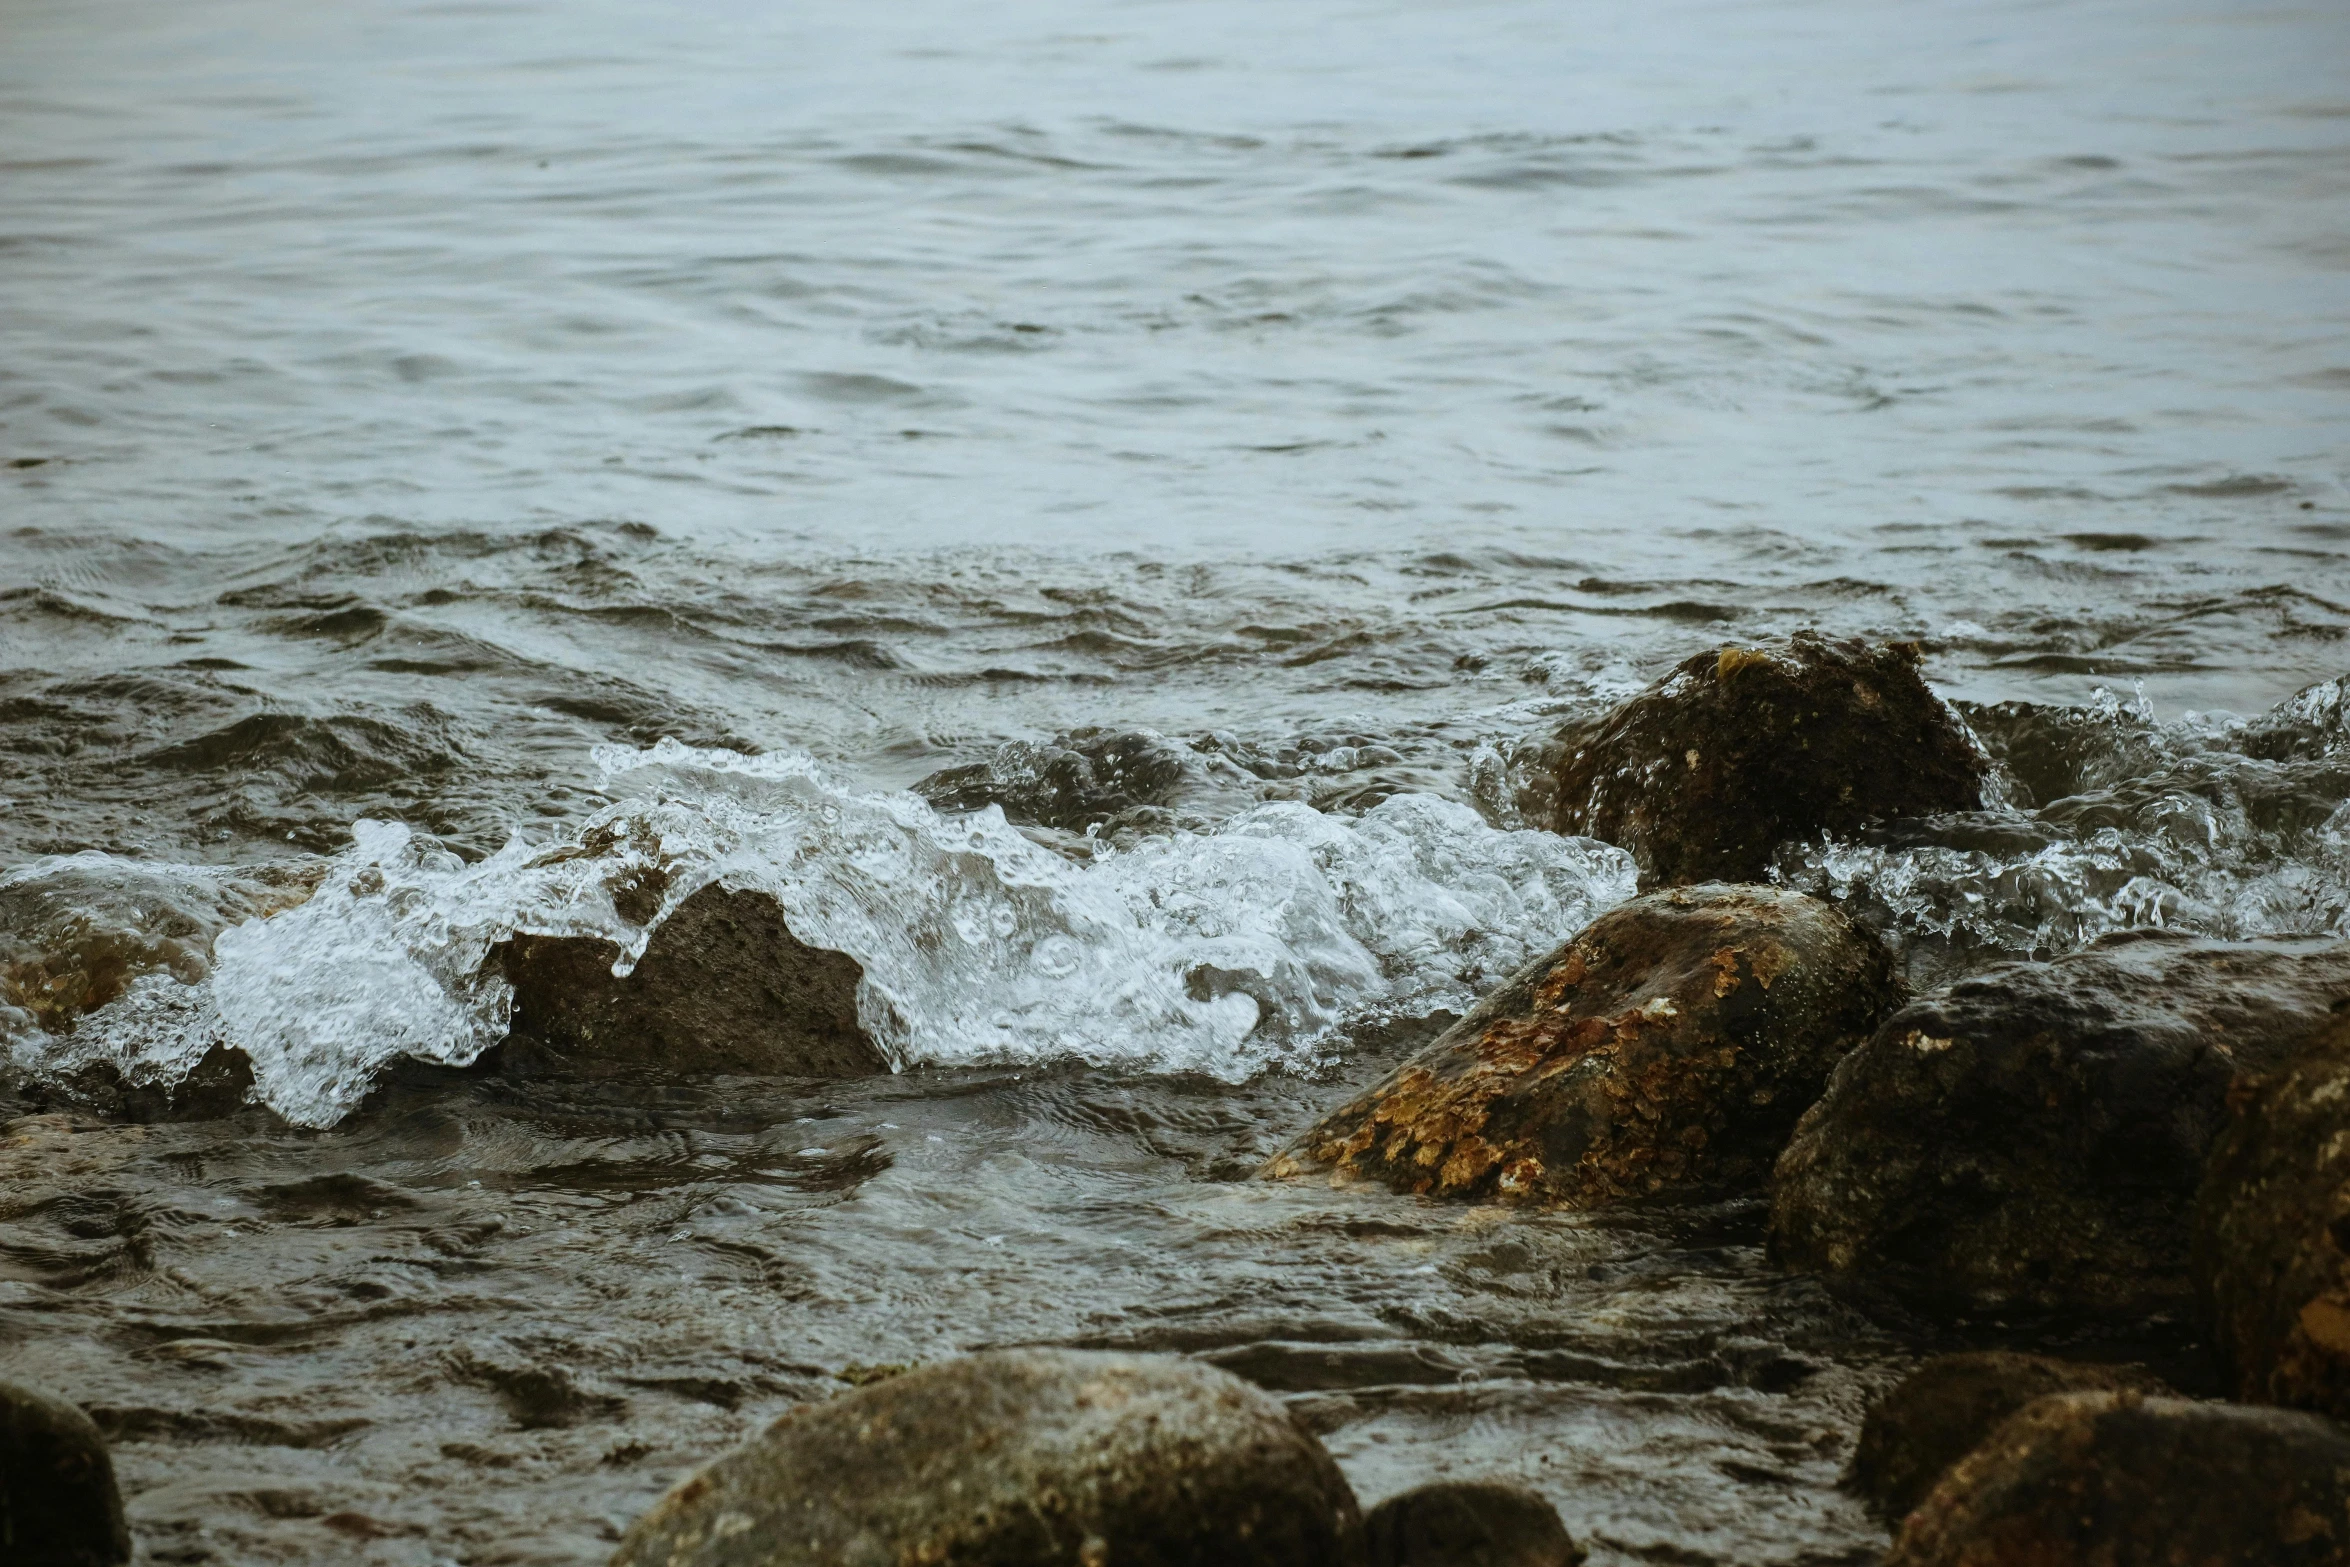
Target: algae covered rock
x=1704, y=774
x=723, y=986
x=1468, y=1523
x=2033, y=1136
x=1018, y=1458
x=1671, y=1044
x=1946, y=1408
x=2118, y=1480
x=58, y=1503
x=2272, y=1234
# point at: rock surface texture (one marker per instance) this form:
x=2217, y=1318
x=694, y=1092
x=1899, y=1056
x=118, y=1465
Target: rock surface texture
x=1468, y=1523
x=2032, y=1137
x=2272, y=1235
x=1671, y=1044
x=1018, y=1458
x=58, y=1502
x=1704, y=774
x=1946, y=1408
x=2115, y=1480
x=723, y=986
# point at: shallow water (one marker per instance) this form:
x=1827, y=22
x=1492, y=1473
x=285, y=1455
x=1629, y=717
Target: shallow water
x=1232, y=436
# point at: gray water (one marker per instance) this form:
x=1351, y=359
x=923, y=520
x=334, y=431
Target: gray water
x=399, y=401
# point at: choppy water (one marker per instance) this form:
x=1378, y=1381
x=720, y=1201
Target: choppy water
x=1230, y=435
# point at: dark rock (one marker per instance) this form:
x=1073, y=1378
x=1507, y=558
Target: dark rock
x=1083, y=779
x=2272, y=1234
x=1671, y=1044
x=58, y=1502
x=2032, y=1137
x=1704, y=774
x=1947, y=1407
x=1468, y=1523
x=1018, y=1458
x=2117, y=1480
x=220, y=1084
x=723, y=986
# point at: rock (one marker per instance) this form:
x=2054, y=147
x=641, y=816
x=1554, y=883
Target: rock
x=1946, y=1408
x=1671, y=1044
x=58, y=1503
x=1086, y=778
x=1468, y=1523
x=1709, y=770
x=723, y=986
x=2272, y=1234
x=1018, y=1458
x=2032, y=1137
x=2117, y=1480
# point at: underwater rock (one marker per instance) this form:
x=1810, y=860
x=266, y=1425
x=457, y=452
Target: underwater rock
x=1947, y=1407
x=1083, y=779
x=2272, y=1234
x=1673, y=1043
x=1018, y=1458
x=723, y=986
x=2118, y=1480
x=2033, y=1136
x=58, y=1503
x=1468, y=1523
x=1704, y=774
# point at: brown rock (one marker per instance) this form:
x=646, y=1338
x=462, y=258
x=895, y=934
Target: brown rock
x=1671, y=1044
x=58, y=1503
x=1947, y=1407
x=2272, y=1234
x=2032, y=1137
x=1468, y=1523
x=1704, y=774
x=2117, y=1480
x=723, y=986
x=1018, y=1458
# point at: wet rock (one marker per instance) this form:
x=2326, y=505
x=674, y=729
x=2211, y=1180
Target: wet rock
x=723, y=986
x=1018, y=1458
x=1671, y=1044
x=1947, y=1407
x=2272, y=1234
x=1087, y=778
x=1704, y=774
x=58, y=1502
x=1468, y=1523
x=2117, y=1480
x=2033, y=1137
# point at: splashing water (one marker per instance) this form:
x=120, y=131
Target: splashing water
x=1224, y=952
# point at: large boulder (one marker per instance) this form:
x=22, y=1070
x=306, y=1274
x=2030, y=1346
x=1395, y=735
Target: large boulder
x=1018, y=1458
x=2118, y=1480
x=1947, y=1407
x=723, y=986
x=1704, y=774
x=2272, y=1234
x=2032, y=1137
x=1468, y=1523
x=1671, y=1044
x=58, y=1502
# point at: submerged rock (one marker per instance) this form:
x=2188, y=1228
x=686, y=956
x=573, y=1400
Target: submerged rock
x=1946, y=1408
x=1087, y=778
x=2118, y=1480
x=1704, y=774
x=2033, y=1136
x=1671, y=1044
x=723, y=986
x=1468, y=1523
x=58, y=1503
x=2272, y=1235
x=1018, y=1458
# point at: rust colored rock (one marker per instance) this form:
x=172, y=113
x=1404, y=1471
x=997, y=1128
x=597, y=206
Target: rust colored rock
x=1704, y=774
x=2118, y=1480
x=2032, y=1137
x=1468, y=1523
x=1671, y=1044
x=2272, y=1234
x=1018, y=1458
x=1946, y=1408
x=723, y=986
